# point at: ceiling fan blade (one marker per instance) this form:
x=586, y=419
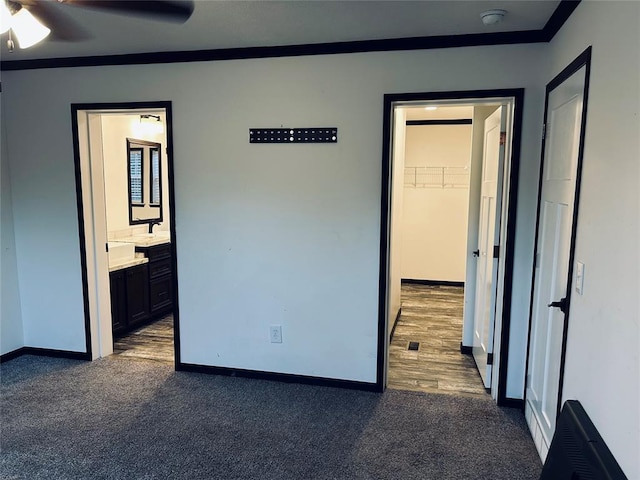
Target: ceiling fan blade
x=62, y=26
x=177, y=11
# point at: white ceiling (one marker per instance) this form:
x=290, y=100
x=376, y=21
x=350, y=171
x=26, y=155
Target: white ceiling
x=217, y=24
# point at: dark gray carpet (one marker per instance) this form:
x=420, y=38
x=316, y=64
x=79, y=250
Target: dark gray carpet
x=132, y=419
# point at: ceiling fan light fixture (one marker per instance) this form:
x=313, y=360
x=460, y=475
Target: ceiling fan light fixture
x=5, y=17
x=491, y=17
x=27, y=28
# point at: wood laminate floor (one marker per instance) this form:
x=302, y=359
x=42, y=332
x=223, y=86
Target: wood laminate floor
x=151, y=342
x=432, y=316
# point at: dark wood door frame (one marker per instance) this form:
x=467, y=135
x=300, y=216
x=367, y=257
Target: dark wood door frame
x=387, y=135
x=111, y=108
x=583, y=60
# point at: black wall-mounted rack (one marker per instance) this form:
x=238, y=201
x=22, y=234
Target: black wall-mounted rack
x=293, y=135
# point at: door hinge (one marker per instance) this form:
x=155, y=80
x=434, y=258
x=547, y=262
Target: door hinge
x=489, y=358
x=503, y=138
x=106, y=246
x=496, y=251
x=544, y=130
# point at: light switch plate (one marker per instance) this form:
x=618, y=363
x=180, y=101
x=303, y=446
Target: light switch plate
x=579, y=277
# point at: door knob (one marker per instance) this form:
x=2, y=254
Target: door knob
x=476, y=253
x=561, y=304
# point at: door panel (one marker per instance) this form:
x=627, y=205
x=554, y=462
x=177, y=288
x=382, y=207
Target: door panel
x=563, y=144
x=554, y=246
x=488, y=237
x=547, y=341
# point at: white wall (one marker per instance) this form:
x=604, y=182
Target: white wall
x=603, y=364
x=434, y=226
x=438, y=145
x=11, y=334
x=115, y=131
x=266, y=234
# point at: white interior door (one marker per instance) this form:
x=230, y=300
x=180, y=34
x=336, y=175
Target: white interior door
x=488, y=238
x=95, y=231
x=553, y=251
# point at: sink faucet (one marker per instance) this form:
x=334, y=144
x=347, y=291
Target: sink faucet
x=151, y=224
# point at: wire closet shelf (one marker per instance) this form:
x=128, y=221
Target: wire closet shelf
x=436, y=177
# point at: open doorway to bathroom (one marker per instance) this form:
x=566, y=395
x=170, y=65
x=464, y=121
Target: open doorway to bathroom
x=449, y=179
x=124, y=176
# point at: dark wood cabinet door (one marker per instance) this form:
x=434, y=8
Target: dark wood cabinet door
x=137, y=294
x=160, y=268
x=161, y=294
x=118, y=302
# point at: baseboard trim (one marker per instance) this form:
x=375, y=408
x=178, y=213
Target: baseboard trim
x=277, y=377
x=44, y=352
x=395, y=322
x=5, y=357
x=437, y=283
x=465, y=349
x=512, y=403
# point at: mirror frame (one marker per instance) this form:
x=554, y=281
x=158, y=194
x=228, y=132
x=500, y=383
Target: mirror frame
x=151, y=178
x=137, y=144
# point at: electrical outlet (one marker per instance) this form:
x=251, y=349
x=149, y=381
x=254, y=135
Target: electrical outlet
x=276, y=333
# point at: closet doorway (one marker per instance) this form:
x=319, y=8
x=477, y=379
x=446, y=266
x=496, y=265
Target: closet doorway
x=449, y=180
x=432, y=223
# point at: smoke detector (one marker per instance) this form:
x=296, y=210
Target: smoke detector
x=491, y=17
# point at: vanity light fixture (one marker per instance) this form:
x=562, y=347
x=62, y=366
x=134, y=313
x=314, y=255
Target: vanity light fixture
x=431, y=107
x=149, y=118
x=19, y=21
x=151, y=124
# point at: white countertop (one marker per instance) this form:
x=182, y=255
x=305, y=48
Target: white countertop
x=146, y=241
x=130, y=262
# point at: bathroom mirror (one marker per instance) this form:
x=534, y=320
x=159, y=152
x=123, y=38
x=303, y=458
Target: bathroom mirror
x=145, y=181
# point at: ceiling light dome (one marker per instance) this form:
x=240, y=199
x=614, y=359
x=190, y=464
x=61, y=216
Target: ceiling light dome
x=491, y=17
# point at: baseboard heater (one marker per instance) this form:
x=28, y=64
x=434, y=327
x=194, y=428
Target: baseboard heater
x=577, y=450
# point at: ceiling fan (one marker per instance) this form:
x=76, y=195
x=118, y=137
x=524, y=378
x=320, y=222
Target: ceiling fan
x=31, y=21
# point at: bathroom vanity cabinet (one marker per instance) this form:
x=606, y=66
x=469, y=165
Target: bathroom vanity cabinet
x=118, y=302
x=160, y=278
x=129, y=298
x=142, y=293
